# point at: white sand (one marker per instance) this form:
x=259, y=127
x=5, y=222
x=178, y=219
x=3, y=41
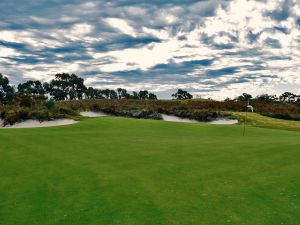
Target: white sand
x=35, y=123
x=92, y=114
x=224, y=121
x=177, y=119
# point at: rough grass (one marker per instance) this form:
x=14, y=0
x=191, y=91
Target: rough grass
x=257, y=120
x=126, y=171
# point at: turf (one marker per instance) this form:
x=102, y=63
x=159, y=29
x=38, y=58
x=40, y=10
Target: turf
x=257, y=120
x=126, y=171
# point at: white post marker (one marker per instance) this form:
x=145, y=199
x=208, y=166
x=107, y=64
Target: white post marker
x=249, y=107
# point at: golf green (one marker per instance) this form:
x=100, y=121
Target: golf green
x=126, y=171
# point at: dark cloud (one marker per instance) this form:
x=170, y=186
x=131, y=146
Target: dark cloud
x=223, y=71
x=123, y=42
x=271, y=42
x=283, y=12
x=252, y=37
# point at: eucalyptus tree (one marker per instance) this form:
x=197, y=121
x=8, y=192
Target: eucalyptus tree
x=288, y=97
x=143, y=95
x=109, y=94
x=181, y=94
x=6, y=90
x=152, y=96
x=66, y=86
x=244, y=98
x=135, y=95
x=31, y=87
x=266, y=98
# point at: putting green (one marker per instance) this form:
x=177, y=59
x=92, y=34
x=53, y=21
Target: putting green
x=126, y=171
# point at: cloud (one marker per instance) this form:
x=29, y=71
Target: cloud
x=214, y=48
x=282, y=12
x=121, y=25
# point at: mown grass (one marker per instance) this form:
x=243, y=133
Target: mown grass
x=126, y=171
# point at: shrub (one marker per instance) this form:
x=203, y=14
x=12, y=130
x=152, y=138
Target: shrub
x=63, y=112
x=16, y=115
x=41, y=115
x=49, y=104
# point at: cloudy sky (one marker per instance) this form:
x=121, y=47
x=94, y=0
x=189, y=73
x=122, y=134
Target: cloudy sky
x=212, y=48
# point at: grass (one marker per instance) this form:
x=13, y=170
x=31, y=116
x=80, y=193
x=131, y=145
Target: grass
x=126, y=171
x=257, y=120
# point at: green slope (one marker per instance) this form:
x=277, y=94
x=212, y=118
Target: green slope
x=257, y=120
x=125, y=171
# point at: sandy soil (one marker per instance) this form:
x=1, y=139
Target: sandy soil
x=35, y=123
x=93, y=114
x=224, y=121
x=178, y=119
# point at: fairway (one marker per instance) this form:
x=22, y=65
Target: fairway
x=135, y=172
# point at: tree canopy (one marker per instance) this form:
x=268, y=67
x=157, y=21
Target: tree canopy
x=65, y=86
x=6, y=91
x=181, y=94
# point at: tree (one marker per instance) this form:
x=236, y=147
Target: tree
x=6, y=91
x=266, y=98
x=181, y=94
x=244, y=97
x=91, y=93
x=66, y=86
x=31, y=87
x=143, y=95
x=122, y=94
x=109, y=94
x=47, y=87
x=152, y=96
x=119, y=92
x=288, y=97
x=135, y=95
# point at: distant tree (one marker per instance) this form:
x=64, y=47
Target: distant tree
x=92, y=93
x=152, y=96
x=123, y=94
x=109, y=94
x=31, y=87
x=143, y=95
x=244, y=97
x=6, y=91
x=47, y=87
x=266, y=98
x=288, y=97
x=181, y=94
x=135, y=95
x=66, y=86
x=119, y=91
x=113, y=94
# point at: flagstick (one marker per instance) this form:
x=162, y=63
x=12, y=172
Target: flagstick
x=245, y=120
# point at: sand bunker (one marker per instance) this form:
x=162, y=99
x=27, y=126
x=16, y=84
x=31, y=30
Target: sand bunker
x=217, y=121
x=35, y=123
x=177, y=119
x=92, y=114
x=224, y=121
